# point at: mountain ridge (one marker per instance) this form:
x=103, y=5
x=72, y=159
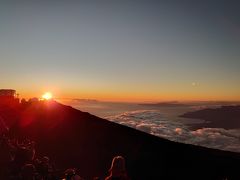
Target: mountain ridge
x=73, y=138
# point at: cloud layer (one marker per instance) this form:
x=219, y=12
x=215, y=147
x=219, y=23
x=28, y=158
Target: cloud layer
x=153, y=122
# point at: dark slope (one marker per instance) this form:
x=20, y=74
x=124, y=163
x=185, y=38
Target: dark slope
x=77, y=139
x=227, y=117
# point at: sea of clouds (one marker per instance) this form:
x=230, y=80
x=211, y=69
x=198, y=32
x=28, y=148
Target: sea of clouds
x=153, y=122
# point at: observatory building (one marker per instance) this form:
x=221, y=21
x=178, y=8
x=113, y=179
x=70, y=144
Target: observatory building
x=8, y=97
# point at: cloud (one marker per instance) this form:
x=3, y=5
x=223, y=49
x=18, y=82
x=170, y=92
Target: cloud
x=153, y=122
x=178, y=131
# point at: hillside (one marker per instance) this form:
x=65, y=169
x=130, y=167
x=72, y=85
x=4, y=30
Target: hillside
x=72, y=138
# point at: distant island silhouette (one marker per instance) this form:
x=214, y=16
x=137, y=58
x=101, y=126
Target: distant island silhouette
x=227, y=117
x=165, y=104
x=72, y=138
x=86, y=100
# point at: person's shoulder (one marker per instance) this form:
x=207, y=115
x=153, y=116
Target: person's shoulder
x=77, y=177
x=125, y=177
x=108, y=178
x=128, y=178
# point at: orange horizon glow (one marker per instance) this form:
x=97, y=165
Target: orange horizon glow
x=133, y=97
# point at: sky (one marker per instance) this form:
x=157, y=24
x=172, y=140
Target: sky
x=133, y=50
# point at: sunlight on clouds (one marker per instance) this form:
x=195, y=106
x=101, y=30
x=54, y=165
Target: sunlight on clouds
x=153, y=122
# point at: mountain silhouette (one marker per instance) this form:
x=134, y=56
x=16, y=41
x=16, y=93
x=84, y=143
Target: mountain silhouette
x=165, y=104
x=227, y=117
x=72, y=138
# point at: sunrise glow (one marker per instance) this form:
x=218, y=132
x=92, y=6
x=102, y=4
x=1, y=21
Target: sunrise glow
x=47, y=96
x=128, y=54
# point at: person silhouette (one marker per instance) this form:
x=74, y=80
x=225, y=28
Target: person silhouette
x=118, y=169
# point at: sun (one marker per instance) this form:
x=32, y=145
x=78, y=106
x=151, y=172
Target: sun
x=47, y=96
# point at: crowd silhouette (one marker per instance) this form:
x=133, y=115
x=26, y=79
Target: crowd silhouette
x=19, y=161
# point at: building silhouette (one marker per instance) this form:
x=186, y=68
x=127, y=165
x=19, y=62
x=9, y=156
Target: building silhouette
x=8, y=97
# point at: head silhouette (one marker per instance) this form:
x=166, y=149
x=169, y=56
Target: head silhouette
x=118, y=166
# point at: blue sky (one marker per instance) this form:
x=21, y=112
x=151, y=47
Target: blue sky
x=120, y=50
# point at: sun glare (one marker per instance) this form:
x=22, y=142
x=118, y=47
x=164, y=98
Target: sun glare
x=47, y=96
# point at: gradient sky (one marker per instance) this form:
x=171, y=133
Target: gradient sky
x=121, y=50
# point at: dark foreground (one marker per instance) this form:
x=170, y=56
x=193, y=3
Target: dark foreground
x=72, y=138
